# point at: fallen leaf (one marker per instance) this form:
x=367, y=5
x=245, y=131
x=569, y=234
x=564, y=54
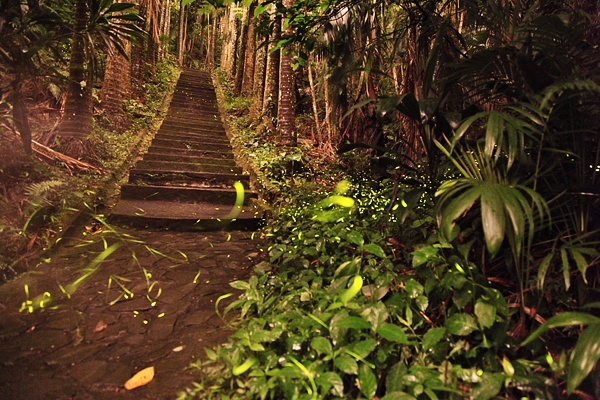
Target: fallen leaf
x=100, y=326
x=140, y=379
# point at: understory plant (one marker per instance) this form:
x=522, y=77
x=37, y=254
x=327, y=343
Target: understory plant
x=380, y=289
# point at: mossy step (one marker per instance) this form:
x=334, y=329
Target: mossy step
x=178, y=158
x=181, y=178
x=184, y=194
x=185, y=144
x=192, y=107
x=194, y=127
x=204, y=136
x=183, y=167
x=207, y=120
x=183, y=216
x=190, y=152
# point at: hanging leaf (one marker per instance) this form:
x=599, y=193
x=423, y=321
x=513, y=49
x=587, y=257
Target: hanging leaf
x=367, y=381
x=393, y=333
x=461, y=324
x=140, y=379
x=561, y=320
x=333, y=380
x=584, y=357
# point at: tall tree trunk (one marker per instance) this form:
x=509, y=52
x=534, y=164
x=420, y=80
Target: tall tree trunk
x=241, y=58
x=315, y=107
x=210, y=53
x=181, y=34
x=286, y=110
x=272, y=75
x=249, y=63
x=20, y=117
x=137, y=49
x=76, y=124
x=165, y=27
x=116, y=87
x=258, y=87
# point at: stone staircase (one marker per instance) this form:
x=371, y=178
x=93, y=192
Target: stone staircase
x=186, y=179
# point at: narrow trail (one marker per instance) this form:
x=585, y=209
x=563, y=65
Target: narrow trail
x=150, y=302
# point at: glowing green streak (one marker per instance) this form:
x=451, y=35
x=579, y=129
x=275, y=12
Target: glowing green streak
x=239, y=201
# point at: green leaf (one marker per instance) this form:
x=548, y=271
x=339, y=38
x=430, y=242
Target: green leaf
x=543, y=270
x=392, y=333
x=398, y=396
x=486, y=313
x=455, y=209
x=210, y=354
x=492, y=218
x=332, y=379
x=432, y=337
x=322, y=345
x=566, y=268
x=346, y=364
x=353, y=323
x=260, y=8
x=367, y=380
x=374, y=249
x=241, y=285
x=394, y=381
x=355, y=237
x=584, y=357
x=461, y=324
x=560, y=320
x=364, y=347
x=488, y=387
x=422, y=302
x=581, y=262
x=413, y=288
x=424, y=255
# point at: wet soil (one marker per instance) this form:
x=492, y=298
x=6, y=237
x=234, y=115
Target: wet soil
x=149, y=303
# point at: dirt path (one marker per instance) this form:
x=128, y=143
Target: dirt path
x=89, y=345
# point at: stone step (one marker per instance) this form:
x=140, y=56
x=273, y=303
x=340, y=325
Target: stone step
x=183, y=144
x=184, y=167
x=184, y=194
x=205, y=121
x=185, y=178
x=198, y=129
x=191, y=153
x=204, y=136
x=185, y=181
x=184, y=109
x=184, y=216
x=224, y=161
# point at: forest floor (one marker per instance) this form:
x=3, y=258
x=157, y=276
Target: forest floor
x=149, y=303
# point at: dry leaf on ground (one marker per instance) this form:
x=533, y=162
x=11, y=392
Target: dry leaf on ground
x=140, y=379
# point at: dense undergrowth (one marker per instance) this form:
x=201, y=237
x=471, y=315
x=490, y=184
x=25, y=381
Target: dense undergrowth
x=41, y=197
x=373, y=290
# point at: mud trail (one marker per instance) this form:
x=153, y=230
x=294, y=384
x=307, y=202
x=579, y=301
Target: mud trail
x=149, y=303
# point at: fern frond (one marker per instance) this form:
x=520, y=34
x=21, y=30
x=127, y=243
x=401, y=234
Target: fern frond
x=40, y=192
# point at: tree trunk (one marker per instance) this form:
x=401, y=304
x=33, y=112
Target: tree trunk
x=315, y=107
x=241, y=58
x=286, y=111
x=165, y=28
x=249, y=63
x=76, y=124
x=258, y=87
x=181, y=35
x=116, y=87
x=20, y=118
x=210, y=53
x=272, y=75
